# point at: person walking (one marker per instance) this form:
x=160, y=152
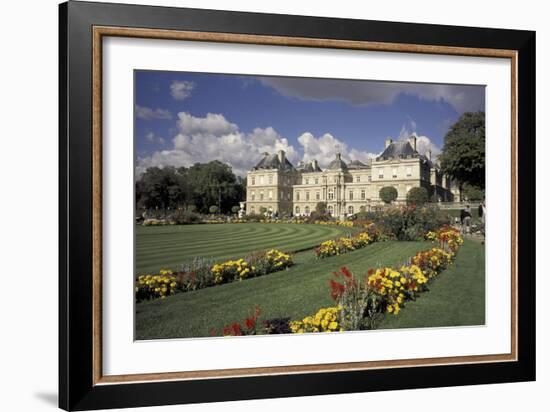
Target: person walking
x=481, y=211
x=466, y=219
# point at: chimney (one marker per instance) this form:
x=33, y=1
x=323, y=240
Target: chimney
x=412, y=141
x=314, y=164
x=281, y=156
x=429, y=154
x=389, y=141
x=339, y=156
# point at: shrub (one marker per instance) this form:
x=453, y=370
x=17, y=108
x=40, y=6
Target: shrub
x=343, y=245
x=388, y=194
x=185, y=217
x=195, y=274
x=235, y=209
x=417, y=196
x=277, y=326
x=213, y=209
x=263, y=210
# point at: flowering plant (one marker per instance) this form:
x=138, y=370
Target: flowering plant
x=155, y=286
x=325, y=320
x=248, y=326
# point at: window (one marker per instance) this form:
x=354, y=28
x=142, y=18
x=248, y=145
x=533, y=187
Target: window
x=330, y=210
x=409, y=171
x=363, y=194
x=288, y=195
x=330, y=195
x=252, y=196
x=297, y=210
x=394, y=173
x=270, y=195
x=350, y=210
x=270, y=179
x=261, y=178
x=253, y=180
x=370, y=179
x=307, y=181
x=307, y=195
x=297, y=195
x=261, y=195
x=350, y=195
x=335, y=179
x=317, y=195
x=252, y=210
x=282, y=195
x=316, y=180
x=380, y=173
x=287, y=181
x=307, y=210
x=357, y=179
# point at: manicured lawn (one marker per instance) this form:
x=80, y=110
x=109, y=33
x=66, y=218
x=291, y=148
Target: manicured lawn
x=169, y=246
x=456, y=297
x=294, y=293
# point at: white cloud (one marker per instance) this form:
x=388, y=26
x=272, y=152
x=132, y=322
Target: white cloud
x=365, y=93
x=146, y=113
x=325, y=147
x=151, y=137
x=181, y=89
x=423, y=143
x=213, y=137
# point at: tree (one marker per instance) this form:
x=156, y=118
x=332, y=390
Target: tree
x=417, y=196
x=213, y=209
x=235, y=209
x=463, y=154
x=321, y=208
x=263, y=210
x=472, y=192
x=388, y=194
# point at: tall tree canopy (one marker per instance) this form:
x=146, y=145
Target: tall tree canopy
x=197, y=187
x=463, y=154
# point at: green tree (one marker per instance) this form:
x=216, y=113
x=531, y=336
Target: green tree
x=213, y=209
x=417, y=196
x=235, y=209
x=388, y=194
x=463, y=154
x=472, y=192
x=321, y=208
x=263, y=210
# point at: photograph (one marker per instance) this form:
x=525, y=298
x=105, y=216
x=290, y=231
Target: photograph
x=286, y=205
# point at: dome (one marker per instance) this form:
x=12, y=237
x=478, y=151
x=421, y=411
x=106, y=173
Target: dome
x=338, y=163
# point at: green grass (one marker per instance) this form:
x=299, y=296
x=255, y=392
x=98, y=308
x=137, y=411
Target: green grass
x=169, y=246
x=294, y=293
x=455, y=298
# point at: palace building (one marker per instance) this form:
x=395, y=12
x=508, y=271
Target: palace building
x=346, y=187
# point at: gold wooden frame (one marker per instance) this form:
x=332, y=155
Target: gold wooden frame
x=102, y=31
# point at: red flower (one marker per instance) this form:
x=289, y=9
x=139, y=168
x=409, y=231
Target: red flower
x=236, y=329
x=345, y=271
x=250, y=322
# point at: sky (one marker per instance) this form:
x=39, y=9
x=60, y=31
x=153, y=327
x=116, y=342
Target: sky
x=182, y=118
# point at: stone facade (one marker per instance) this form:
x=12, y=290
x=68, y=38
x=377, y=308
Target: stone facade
x=346, y=188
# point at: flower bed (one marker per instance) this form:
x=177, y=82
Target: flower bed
x=201, y=274
x=361, y=303
x=343, y=245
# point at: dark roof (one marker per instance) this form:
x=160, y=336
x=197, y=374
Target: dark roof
x=271, y=161
x=356, y=164
x=308, y=167
x=338, y=163
x=398, y=150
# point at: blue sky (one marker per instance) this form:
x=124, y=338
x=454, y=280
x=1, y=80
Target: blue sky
x=182, y=118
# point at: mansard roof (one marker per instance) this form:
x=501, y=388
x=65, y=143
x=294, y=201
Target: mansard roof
x=309, y=167
x=356, y=164
x=401, y=149
x=272, y=161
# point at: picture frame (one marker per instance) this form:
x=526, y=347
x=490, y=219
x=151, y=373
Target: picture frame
x=82, y=383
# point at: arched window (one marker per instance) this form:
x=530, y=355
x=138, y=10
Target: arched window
x=330, y=210
x=297, y=210
x=350, y=210
x=307, y=210
x=252, y=210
